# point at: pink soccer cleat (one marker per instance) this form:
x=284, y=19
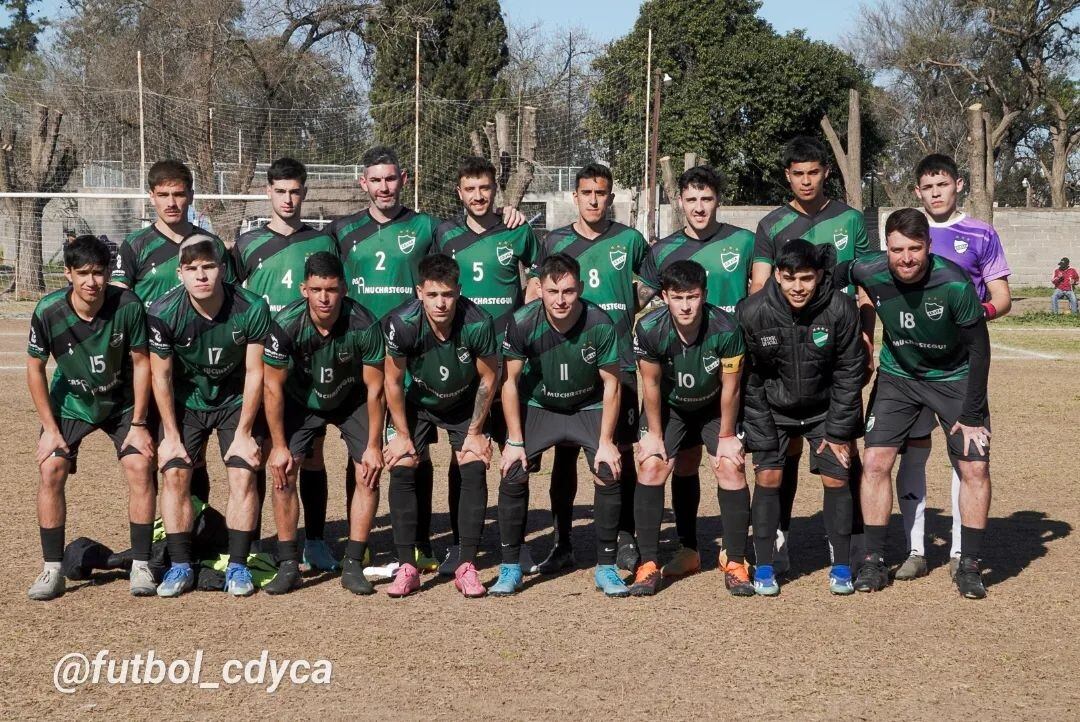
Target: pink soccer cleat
x=467, y=581
x=405, y=582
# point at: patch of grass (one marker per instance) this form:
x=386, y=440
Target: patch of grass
x=1031, y=291
x=1040, y=318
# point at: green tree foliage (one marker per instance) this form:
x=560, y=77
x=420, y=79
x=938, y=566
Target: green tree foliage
x=739, y=91
x=19, y=40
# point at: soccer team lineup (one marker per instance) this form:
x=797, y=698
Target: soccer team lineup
x=717, y=351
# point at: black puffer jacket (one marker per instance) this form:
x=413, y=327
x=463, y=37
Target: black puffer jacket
x=803, y=366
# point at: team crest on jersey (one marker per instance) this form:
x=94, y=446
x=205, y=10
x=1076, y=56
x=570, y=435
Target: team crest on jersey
x=618, y=257
x=840, y=239
x=156, y=332
x=117, y=339
x=589, y=354
x=274, y=344
x=505, y=253
x=711, y=363
x=238, y=337
x=406, y=242
x=959, y=244
x=344, y=354
x=933, y=310
x=729, y=260
x=820, y=337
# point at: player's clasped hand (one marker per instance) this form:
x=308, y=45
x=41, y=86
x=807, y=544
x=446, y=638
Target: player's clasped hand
x=371, y=465
x=49, y=443
x=512, y=455
x=977, y=435
x=651, y=445
x=171, y=448
x=731, y=448
x=608, y=454
x=479, y=445
x=281, y=464
x=398, y=448
x=842, y=452
x=139, y=439
x=246, y=448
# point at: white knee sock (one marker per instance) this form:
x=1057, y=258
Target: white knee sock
x=955, y=551
x=911, y=495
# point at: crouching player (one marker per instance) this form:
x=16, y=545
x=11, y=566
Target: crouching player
x=690, y=359
x=806, y=368
x=324, y=365
x=206, y=336
x=446, y=345
x=562, y=386
x=97, y=334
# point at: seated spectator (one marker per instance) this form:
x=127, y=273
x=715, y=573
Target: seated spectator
x=1064, y=282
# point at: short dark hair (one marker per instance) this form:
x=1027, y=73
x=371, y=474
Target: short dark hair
x=804, y=149
x=592, y=171
x=440, y=268
x=701, y=176
x=474, y=166
x=684, y=275
x=799, y=254
x=286, y=169
x=380, y=155
x=199, y=246
x=170, y=170
x=936, y=163
x=910, y=223
x=324, y=265
x=558, y=265
x=86, y=250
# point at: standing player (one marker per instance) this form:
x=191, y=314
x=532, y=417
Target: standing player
x=324, y=365
x=270, y=261
x=724, y=251
x=562, y=386
x=936, y=355
x=974, y=246
x=609, y=255
x=807, y=363
x=441, y=374
x=690, y=357
x=812, y=216
x=206, y=337
x=97, y=334
x=491, y=256
x=147, y=260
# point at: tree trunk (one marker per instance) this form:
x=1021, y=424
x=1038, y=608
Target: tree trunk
x=1063, y=144
x=980, y=199
x=29, y=278
x=522, y=177
x=850, y=162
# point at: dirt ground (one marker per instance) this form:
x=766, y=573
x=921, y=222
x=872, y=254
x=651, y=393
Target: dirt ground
x=560, y=649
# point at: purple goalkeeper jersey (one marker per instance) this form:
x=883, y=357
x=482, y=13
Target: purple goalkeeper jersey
x=974, y=245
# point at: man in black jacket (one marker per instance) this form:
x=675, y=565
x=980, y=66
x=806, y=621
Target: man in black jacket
x=806, y=368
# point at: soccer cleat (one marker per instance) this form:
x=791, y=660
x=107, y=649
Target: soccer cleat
x=179, y=579
x=627, y=556
x=286, y=579
x=765, y=581
x=449, y=565
x=425, y=560
x=873, y=574
x=467, y=581
x=353, y=579
x=406, y=581
x=609, y=582
x=647, y=580
x=560, y=557
x=141, y=581
x=913, y=567
x=509, y=581
x=686, y=561
x=781, y=559
x=238, y=580
x=840, y=580
x=969, y=579
x=48, y=585
x=318, y=557
x=525, y=561
x=737, y=577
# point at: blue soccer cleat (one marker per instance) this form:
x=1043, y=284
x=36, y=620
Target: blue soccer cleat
x=765, y=581
x=840, y=580
x=238, y=580
x=179, y=579
x=609, y=582
x=509, y=581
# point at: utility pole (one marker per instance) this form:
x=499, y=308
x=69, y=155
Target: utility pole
x=654, y=150
x=569, y=89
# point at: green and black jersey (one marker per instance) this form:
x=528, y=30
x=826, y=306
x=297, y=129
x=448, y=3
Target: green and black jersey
x=690, y=377
x=381, y=259
x=562, y=371
x=93, y=377
x=920, y=321
x=147, y=262
x=209, y=354
x=725, y=256
x=272, y=265
x=324, y=371
x=489, y=265
x=442, y=374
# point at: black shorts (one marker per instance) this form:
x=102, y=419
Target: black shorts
x=303, y=426
x=544, y=428
x=424, y=424
x=824, y=463
x=196, y=427
x=896, y=405
x=75, y=430
x=925, y=426
x=687, y=429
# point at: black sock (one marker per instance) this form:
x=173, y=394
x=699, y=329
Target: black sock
x=355, y=550
x=260, y=491
x=685, y=500
x=453, y=498
x=564, y=483
x=313, y=496
x=513, y=515
x=971, y=541
x=425, y=490
x=200, y=483
x=765, y=512
x=288, y=551
x=350, y=488
x=472, y=507
x=735, y=516
x=648, y=512
x=789, y=484
x=628, y=484
x=239, y=546
x=179, y=546
x=837, y=510
x=403, y=512
x=52, y=543
x=875, y=539
x=855, y=484
x=142, y=538
x=607, y=501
